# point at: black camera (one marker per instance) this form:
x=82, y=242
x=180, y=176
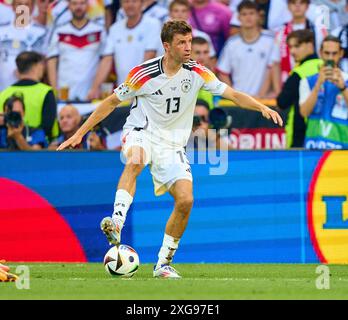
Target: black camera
x=13, y=119
x=218, y=119
x=197, y=120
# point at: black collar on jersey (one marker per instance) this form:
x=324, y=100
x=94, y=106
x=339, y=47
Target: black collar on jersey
x=81, y=27
x=310, y=57
x=130, y=28
x=150, y=7
x=160, y=65
x=25, y=82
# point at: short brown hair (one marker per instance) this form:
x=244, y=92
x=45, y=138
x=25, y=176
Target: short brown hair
x=171, y=28
x=199, y=40
x=27, y=59
x=304, y=1
x=185, y=3
x=247, y=4
x=302, y=36
x=331, y=38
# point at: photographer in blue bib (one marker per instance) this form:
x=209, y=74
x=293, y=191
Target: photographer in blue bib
x=15, y=134
x=324, y=100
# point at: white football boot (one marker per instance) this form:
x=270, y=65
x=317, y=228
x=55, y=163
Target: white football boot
x=112, y=230
x=166, y=271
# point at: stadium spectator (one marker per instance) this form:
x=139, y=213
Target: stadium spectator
x=246, y=57
x=301, y=46
x=274, y=13
x=180, y=10
x=18, y=36
x=151, y=9
x=39, y=100
x=200, y=53
x=58, y=13
x=342, y=34
x=70, y=121
x=74, y=53
x=111, y=8
x=130, y=42
x=324, y=101
x=212, y=18
x=281, y=58
x=338, y=10
x=6, y=13
x=15, y=134
x=202, y=137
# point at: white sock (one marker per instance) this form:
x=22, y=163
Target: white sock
x=167, y=251
x=123, y=200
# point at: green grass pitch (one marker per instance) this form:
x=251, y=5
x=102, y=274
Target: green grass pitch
x=200, y=281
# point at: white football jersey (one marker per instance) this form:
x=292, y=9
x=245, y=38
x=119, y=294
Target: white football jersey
x=165, y=105
x=15, y=40
x=128, y=45
x=78, y=52
x=247, y=62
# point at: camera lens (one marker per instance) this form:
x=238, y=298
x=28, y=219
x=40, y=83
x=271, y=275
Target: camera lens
x=13, y=119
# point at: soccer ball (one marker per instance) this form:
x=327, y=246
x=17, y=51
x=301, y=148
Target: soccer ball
x=121, y=261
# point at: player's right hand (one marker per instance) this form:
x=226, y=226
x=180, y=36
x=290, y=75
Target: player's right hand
x=71, y=143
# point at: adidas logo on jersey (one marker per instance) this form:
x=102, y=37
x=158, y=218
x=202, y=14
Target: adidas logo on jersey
x=157, y=93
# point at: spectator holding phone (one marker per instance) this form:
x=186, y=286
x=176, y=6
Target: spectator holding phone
x=324, y=101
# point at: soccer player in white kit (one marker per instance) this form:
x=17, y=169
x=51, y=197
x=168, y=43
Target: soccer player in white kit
x=164, y=92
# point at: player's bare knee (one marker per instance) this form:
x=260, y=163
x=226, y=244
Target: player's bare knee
x=133, y=168
x=184, y=203
x=136, y=156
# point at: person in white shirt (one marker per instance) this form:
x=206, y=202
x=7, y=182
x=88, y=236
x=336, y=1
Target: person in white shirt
x=246, y=57
x=180, y=10
x=274, y=14
x=130, y=41
x=16, y=37
x=150, y=8
x=342, y=34
x=336, y=9
x=164, y=92
x=58, y=13
x=282, y=61
x=74, y=52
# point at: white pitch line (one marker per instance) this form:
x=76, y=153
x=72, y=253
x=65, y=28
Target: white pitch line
x=195, y=279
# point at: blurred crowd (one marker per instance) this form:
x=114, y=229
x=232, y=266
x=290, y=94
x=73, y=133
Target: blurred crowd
x=67, y=51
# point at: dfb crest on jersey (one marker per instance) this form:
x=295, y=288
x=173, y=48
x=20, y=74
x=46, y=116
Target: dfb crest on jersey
x=186, y=85
x=123, y=89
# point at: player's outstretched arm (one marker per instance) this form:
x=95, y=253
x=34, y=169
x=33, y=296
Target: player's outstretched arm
x=247, y=102
x=101, y=112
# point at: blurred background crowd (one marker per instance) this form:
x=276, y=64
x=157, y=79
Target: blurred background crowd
x=58, y=58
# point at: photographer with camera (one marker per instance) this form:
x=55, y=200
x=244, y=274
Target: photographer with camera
x=324, y=100
x=40, y=103
x=207, y=129
x=70, y=121
x=15, y=134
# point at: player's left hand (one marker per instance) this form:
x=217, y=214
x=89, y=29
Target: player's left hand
x=270, y=114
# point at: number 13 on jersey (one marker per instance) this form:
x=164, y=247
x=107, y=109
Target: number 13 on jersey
x=173, y=106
